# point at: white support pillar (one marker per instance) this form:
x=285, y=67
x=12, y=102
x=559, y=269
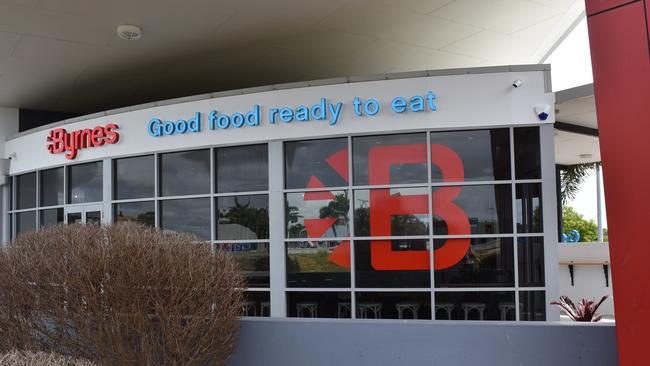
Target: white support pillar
x=276, y=231
x=8, y=127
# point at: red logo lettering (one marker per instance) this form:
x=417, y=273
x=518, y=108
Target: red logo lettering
x=59, y=140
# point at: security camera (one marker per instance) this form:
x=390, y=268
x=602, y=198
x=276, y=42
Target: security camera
x=517, y=83
x=12, y=156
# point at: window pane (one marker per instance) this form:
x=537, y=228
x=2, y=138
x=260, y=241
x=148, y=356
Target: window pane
x=475, y=305
x=134, y=177
x=317, y=214
x=242, y=168
x=318, y=264
x=391, y=212
x=529, y=208
x=531, y=262
x=527, y=154
x=26, y=191
x=394, y=305
x=390, y=159
x=256, y=303
x=318, y=304
x=188, y=215
x=489, y=262
x=487, y=208
x=52, y=216
x=184, y=173
x=140, y=212
x=85, y=182
x=316, y=163
x=243, y=217
x=52, y=187
x=532, y=306
x=253, y=259
x=10, y=185
x=380, y=263
x=25, y=221
x=484, y=155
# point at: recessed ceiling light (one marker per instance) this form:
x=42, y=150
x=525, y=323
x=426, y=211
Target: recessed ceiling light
x=586, y=156
x=129, y=32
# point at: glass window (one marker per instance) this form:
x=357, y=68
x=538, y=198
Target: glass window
x=52, y=216
x=531, y=261
x=489, y=262
x=26, y=191
x=532, y=306
x=52, y=187
x=487, y=209
x=391, y=212
x=187, y=215
x=529, y=208
x=482, y=155
x=528, y=163
x=253, y=259
x=256, y=303
x=318, y=264
x=316, y=163
x=140, y=212
x=317, y=214
x=475, y=305
x=392, y=263
x=390, y=159
x=85, y=182
x=242, y=168
x=318, y=304
x=184, y=173
x=134, y=177
x=394, y=305
x=243, y=217
x=25, y=221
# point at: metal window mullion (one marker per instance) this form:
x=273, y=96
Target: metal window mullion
x=515, y=242
x=277, y=257
x=353, y=281
x=156, y=172
x=432, y=268
x=213, y=179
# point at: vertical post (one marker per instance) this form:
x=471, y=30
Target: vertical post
x=276, y=231
x=599, y=208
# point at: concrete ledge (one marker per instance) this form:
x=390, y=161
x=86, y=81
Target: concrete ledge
x=289, y=342
x=583, y=253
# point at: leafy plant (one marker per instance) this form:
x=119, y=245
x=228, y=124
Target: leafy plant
x=588, y=229
x=584, y=312
x=571, y=179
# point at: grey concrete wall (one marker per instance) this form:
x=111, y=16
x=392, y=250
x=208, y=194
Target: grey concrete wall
x=287, y=342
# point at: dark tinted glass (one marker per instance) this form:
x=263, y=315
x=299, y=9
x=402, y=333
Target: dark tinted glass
x=52, y=187
x=85, y=182
x=391, y=212
x=318, y=304
x=528, y=163
x=184, y=173
x=390, y=159
x=531, y=262
x=317, y=214
x=475, y=305
x=532, y=305
x=134, y=177
x=242, y=168
x=318, y=264
x=487, y=209
x=489, y=262
x=394, y=305
x=25, y=221
x=256, y=303
x=52, y=216
x=483, y=154
x=26, y=191
x=379, y=263
x=529, y=208
x=140, y=212
x=243, y=217
x=188, y=215
x=253, y=259
x=316, y=163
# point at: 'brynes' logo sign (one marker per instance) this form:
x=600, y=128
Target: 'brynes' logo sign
x=61, y=141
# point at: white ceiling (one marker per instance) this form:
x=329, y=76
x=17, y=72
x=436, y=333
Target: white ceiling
x=63, y=54
x=576, y=106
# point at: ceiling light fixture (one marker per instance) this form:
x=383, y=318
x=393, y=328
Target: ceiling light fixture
x=129, y=32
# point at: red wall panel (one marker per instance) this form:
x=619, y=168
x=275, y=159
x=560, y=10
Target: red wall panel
x=595, y=6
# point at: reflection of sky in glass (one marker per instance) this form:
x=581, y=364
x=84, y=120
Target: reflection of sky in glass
x=26, y=191
x=306, y=158
x=300, y=209
x=188, y=215
x=25, y=221
x=184, y=173
x=52, y=187
x=85, y=183
x=242, y=168
x=134, y=177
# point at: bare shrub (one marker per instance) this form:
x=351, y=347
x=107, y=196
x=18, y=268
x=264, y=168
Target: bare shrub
x=121, y=294
x=16, y=358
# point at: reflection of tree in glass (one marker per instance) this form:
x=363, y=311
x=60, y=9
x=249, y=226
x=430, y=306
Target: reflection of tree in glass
x=293, y=216
x=362, y=221
x=408, y=225
x=254, y=218
x=338, y=208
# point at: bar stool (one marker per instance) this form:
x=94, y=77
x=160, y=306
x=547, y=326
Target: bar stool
x=505, y=307
x=265, y=308
x=247, y=307
x=446, y=306
x=312, y=307
x=369, y=307
x=469, y=306
x=344, y=309
x=402, y=306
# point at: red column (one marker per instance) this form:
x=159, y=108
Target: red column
x=620, y=54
